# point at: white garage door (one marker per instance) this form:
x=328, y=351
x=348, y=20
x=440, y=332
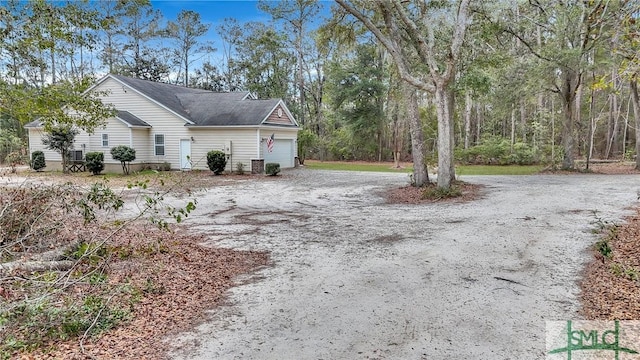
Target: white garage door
x=282, y=153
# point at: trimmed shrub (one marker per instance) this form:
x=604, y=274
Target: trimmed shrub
x=125, y=155
x=37, y=160
x=272, y=169
x=95, y=162
x=217, y=161
x=240, y=168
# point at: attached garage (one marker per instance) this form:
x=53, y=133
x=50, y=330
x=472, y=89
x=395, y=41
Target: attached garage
x=283, y=153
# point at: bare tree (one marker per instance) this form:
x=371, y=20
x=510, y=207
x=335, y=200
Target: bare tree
x=185, y=31
x=433, y=35
x=296, y=14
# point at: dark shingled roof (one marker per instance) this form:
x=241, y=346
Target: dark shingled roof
x=202, y=107
x=131, y=119
x=215, y=109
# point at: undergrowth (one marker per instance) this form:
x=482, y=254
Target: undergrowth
x=57, y=246
x=610, y=234
x=433, y=192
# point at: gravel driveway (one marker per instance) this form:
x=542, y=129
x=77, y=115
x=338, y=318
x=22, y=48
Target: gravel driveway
x=355, y=278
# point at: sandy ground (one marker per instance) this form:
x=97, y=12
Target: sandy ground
x=355, y=278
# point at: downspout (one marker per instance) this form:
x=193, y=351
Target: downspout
x=131, y=138
x=258, y=143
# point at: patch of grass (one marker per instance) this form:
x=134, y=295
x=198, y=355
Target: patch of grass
x=498, y=169
x=460, y=170
x=34, y=324
x=349, y=166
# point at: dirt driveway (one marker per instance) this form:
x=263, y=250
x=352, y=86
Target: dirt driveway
x=355, y=278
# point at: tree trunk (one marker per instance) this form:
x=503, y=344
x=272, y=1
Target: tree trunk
x=513, y=127
x=624, y=132
x=523, y=120
x=452, y=165
x=478, y=123
x=186, y=69
x=33, y=266
x=592, y=126
x=420, y=173
x=379, y=145
x=468, y=106
x=446, y=171
x=299, y=60
x=633, y=84
x=577, y=114
x=571, y=81
x=567, y=137
x=553, y=134
x=398, y=135
x=612, y=125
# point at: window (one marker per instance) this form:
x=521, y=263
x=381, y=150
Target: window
x=75, y=155
x=105, y=140
x=159, y=144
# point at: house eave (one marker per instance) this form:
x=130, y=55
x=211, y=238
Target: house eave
x=272, y=125
x=261, y=126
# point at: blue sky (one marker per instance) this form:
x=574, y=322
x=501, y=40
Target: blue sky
x=213, y=12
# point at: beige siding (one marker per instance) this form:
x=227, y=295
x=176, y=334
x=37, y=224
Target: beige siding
x=162, y=122
x=35, y=143
x=118, y=135
x=243, y=146
x=143, y=143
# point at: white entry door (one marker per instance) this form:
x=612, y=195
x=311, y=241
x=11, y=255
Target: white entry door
x=185, y=154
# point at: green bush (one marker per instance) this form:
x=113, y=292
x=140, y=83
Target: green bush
x=37, y=160
x=125, y=155
x=217, y=161
x=272, y=169
x=498, y=151
x=523, y=154
x=240, y=168
x=95, y=162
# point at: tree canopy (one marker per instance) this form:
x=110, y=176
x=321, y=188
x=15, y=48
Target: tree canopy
x=555, y=83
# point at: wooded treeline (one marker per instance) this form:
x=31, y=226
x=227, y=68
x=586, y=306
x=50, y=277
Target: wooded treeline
x=521, y=81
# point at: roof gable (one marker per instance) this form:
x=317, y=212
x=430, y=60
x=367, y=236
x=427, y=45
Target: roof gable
x=280, y=115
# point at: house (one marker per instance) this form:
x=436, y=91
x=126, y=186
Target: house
x=173, y=126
